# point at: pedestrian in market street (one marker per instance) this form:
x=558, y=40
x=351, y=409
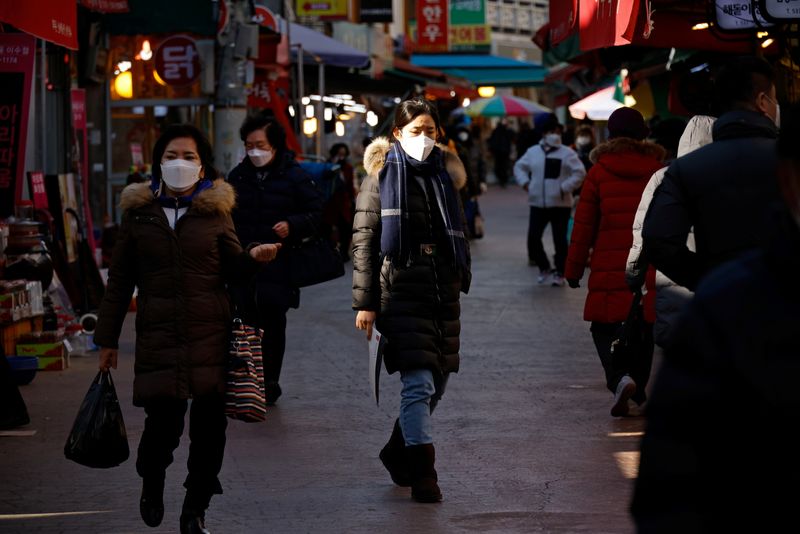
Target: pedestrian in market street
x=500, y=142
x=177, y=245
x=410, y=262
x=670, y=297
x=719, y=453
x=339, y=210
x=277, y=203
x=610, y=195
x=549, y=172
x=723, y=190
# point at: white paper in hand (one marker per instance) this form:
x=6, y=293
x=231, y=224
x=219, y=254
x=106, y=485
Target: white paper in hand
x=375, y=363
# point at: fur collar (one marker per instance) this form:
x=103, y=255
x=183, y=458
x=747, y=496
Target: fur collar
x=375, y=157
x=218, y=199
x=626, y=144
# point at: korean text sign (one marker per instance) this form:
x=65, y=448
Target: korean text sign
x=432, y=25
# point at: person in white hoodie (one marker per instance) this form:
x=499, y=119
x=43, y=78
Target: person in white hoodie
x=549, y=172
x=670, y=297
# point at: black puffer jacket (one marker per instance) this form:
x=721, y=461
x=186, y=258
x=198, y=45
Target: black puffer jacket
x=725, y=190
x=183, y=315
x=417, y=303
x=281, y=191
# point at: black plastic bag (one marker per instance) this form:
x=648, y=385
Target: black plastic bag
x=98, y=437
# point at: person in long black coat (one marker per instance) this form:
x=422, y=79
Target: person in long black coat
x=719, y=453
x=410, y=262
x=277, y=202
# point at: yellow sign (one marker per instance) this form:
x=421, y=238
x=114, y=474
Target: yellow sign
x=467, y=35
x=324, y=9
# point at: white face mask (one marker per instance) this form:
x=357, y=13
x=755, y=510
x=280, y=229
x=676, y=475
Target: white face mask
x=553, y=139
x=259, y=157
x=418, y=147
x=583, y=141
x=180, y=175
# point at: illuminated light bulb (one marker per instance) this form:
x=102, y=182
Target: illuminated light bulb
x=146, y=53
x=309, y=110
x=310, y=126
x=340, y=128
x=123, y=84
x=486, y=91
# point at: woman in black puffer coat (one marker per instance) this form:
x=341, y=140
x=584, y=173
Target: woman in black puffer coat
x=277, y=202
x=410, y=262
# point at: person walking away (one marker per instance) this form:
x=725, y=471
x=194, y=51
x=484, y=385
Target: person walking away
x=469, y=152
x=549, y=172
x=670, y=297
x=609, y=198
x=338, y=212
x=500, y=142
x=722, y=190
x=410, y=261
x=176, y=244
x=278, y=203
x=734, y=360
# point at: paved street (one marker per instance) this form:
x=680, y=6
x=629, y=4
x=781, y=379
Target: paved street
x=525, y=442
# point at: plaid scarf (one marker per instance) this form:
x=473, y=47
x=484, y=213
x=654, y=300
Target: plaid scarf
x=393, y=181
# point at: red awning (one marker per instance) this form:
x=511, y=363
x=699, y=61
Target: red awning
x=563, y=16
x=607, y=23
x=52, y=20
x=106, y=6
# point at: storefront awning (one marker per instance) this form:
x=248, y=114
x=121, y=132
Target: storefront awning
x=597, y=107
x=604, y=24
x=484, y=69
x=328, y=50
x=55, y=21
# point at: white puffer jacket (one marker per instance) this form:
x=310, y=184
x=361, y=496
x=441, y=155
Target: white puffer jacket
x=670, y=297
x=552, y=174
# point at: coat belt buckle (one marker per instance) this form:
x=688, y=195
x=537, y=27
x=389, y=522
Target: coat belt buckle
x=427, y=249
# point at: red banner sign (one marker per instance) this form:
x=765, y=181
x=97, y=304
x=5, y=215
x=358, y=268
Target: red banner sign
x=52, y=20
x=38, y=190
x=606, y=23
x=432, y=25
x=563, y=16
x=17, y=51
x=78, y=100
x=106, y=6
x=177, y=60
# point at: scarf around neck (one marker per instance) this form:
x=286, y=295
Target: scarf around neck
x=393, y=185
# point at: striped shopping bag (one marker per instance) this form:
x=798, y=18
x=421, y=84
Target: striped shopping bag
x=244, y=392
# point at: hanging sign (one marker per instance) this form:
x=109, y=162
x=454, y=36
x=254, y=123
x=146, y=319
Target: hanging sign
x=323, y=9
x=375, y=11
x=106, y=6
x=782, y=9
x=177, y=61
x=563, y=15
x=78, y=101
x=468, y=29
x=266, y=18
x=738, y=15
x=38, y=190
x=432, y=25
x=17, y=51
x=605, y=23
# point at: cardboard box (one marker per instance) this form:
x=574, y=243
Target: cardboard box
x=53, y=363
x=53, y=350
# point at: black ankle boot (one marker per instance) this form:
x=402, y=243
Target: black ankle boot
x=193, y=513
x=424, y=487
x=393, y=456
x=151, y=504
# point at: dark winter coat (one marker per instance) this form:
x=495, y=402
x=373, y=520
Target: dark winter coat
x=183, y=314
x=417, y=303
x=281, y=191
x=603, y=226
x=724, y=190
x=718, y=453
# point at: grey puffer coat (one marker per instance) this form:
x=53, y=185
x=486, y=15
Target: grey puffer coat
x=417, y=303
x=671, y=298
x=183, y=317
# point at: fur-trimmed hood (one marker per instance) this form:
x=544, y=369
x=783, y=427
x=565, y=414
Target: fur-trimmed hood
x=628, y=158
x=220, y=198
x=375, y=157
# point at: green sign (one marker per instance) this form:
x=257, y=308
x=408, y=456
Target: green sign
x=467, y=12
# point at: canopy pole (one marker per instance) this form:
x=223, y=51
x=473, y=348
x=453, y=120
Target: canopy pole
x=320, y=110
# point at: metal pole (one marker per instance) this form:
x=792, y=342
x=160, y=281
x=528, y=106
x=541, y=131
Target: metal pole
x=301, y=90
x=320, y=109
x=43, y=104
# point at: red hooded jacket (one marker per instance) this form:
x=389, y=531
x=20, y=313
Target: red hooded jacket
x=603, y=227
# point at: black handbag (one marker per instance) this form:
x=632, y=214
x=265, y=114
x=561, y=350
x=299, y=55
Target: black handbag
x=630, y=337
x=313, y=261
x=98, y=437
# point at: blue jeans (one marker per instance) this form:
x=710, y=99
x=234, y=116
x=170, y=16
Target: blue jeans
x=418, y=399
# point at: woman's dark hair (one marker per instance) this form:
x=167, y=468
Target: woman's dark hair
x=335, y=148
x=276, y=135
x=411, y=109
x=204, y=150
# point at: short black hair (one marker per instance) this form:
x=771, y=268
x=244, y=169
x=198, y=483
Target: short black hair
x=335, y=148
x=204, y=149
x=275, y=133
x=409, y=110
x=740, y=80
